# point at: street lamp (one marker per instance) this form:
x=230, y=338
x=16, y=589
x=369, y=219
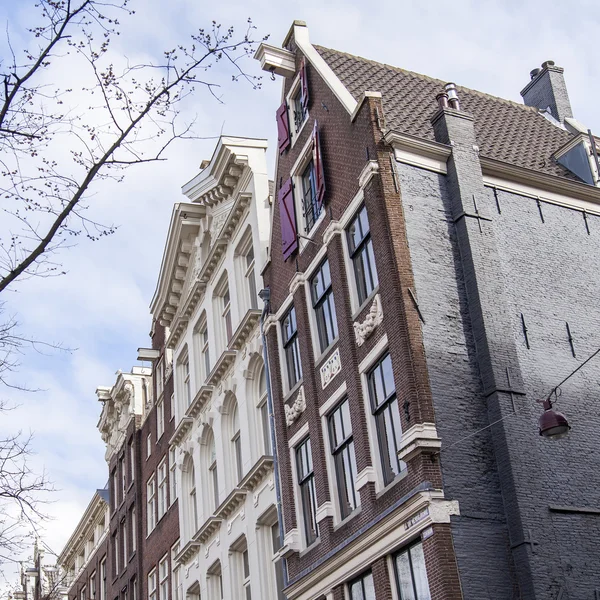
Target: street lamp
x=553, y=424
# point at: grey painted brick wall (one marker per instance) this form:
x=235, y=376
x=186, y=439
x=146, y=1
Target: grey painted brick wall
x=550, y=274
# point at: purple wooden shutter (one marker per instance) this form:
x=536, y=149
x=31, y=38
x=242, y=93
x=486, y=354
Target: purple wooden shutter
x=287, y=218
x=283, y=128
x=318, y=162
x=304, y=85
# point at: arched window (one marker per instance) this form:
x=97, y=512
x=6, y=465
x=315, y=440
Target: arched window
x=190, y=490
x=236, y=442
x=263, y=412
x=213, y=479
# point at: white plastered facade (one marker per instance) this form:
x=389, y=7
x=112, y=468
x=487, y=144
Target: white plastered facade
x=225, y=220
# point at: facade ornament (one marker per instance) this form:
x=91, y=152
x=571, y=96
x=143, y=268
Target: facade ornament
x=217, y=225
x=330, y=368
x=375, y=316
x=296, y=409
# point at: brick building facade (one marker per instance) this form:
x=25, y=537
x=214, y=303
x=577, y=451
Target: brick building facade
x=416, y=242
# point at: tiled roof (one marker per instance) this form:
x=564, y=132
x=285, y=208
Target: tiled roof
x=506, y=131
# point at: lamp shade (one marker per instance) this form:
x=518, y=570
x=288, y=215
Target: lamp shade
x=553, y=424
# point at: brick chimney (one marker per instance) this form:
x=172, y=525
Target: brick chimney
x=547, y=89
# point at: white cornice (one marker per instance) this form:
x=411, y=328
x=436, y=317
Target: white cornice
x=276, y=60
x=323, y=69
x=418, y=152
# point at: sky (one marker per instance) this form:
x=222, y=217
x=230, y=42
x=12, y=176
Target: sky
x=100, y=307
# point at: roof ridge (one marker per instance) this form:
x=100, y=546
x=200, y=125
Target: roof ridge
x=530, y=109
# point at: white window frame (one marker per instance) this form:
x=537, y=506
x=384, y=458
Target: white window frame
x=150, y=505
x=176, y=585
x=172, y=475
x=103, y=578
x=124, y=544
x=83, y=593
x=201, y=349
x=262, y=404
x=287, y=390
x=133, y=531
x=149, y=446
x=160, y=378
x=152, y=585
x=163, y=578
x=305, y=156
x=161, y=477
x=160, y=419
x=184, y=381
x=93, y=586
x=295, y=89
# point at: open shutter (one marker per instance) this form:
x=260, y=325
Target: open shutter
x=283, y=127
x=318, y=162
x=304, y=85
x=287, y=218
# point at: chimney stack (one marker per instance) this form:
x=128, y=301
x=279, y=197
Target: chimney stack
x=547, y=90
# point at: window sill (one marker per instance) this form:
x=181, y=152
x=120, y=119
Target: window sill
x=366, y=302
x=296, y=387
x=392, y=484
x=310, y=548
x=305, y=239
x=325, y=354
x=296, y=136
x=347, y=519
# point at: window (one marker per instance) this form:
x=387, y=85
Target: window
x=291, y=347
x=160, y=378
x=226, y=299
x=212, y=471
x=163, y=578
x=190, y=484
x=172, y=476
x=162, y=488
x=323, y=305
x=215, y=582
x=276, y=559
x=411, y=574
x=342, y=448
x=236, y=443
x=205, y=352
x=311, y=208
x=124, y=542
x=160, y=419
x=114, y=488
x=148, y=446
x=361, y=253
x=384, y=405
x=246, y=575
x=133, y=586
x=363, y=588
x=152, y=585
x=299, y=112
x=151, y=504
x=250, y=277
x=308, y=498
x=263, y=409
x=172, y=407
x=93, y=586
x=131, y=461
x=115, y=553
x=133, y=530
x=83, y=593
x=187, y=388
x=123, y=478
x=103, y=579
x=176, y=574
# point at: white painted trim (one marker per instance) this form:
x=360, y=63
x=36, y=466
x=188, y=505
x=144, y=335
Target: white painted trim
x=386, y=537
x=332, y=400
x=325, y=510
x=276, y=60
x=366, y=94
x=367, y=475
x=298, y=436
x=420, y=437
x=373, y=355
x=323, y=69
x=295, y=87
x=418, y=152
x=369, y=171
x=421, y=162
x=545, y=195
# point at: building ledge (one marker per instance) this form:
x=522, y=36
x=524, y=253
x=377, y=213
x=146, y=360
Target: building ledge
x=213, y=260
x=222, y=365
x=208, y=528
x=235, y=214
x=200, y=399
x=276, y=60
x=245, y=328
x=235, y=499
x=262, y=468
x=181, y=430
x=421, y=438
x=189, y=550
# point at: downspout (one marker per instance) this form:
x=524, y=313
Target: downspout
x=265, y=296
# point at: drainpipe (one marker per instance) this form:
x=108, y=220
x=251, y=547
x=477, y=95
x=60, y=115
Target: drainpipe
x=265, y=296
